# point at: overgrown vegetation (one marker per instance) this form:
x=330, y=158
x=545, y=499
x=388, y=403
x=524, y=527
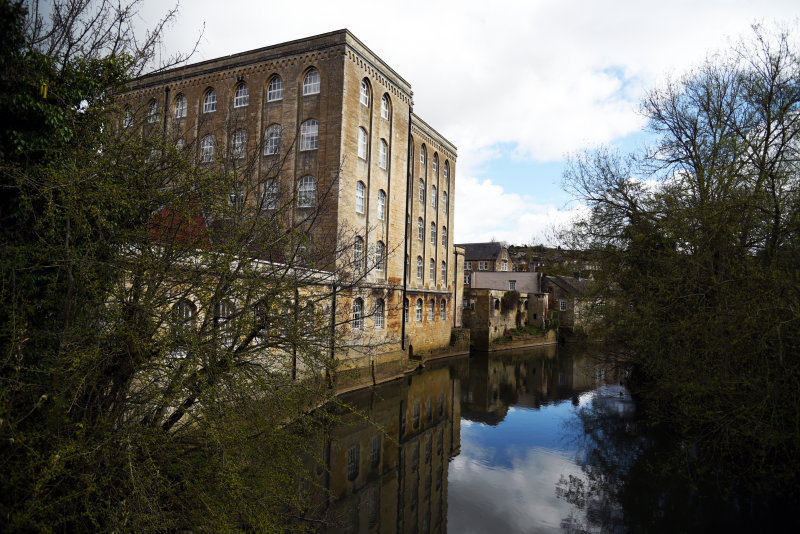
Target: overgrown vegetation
x=699, y=242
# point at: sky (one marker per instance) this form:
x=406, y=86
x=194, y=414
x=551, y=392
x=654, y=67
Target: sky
x=516, y=85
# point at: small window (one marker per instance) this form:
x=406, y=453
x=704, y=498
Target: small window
x=309, y=135
x=239, y=143
x=433, y=234
x=383, y=154
x=444, y=273
x=381, y=205
x=152, y=112
x=275, y=89
x=443, y=317
x=431, y=317
x=207, y=149
x=483, y=265
x=419, y=319
x=311, y=83
x=435, y=164
x=380, y=309
x=444, y=236
x=360, y=190
x=385, y=107
x=236, y=198
x=444, y=203
x=272, y=140
x=358, y=317
x=419, y=267
x=504, y=265
x=562, y=305
x=353, y=459
x=180, y=144
x=358, y=252
x=184, y=313
x=180, y=107
x=421, y=192
x=362, y=143
x=210, y=101
x=127, y=119
x=467, y=265
x=420, y=229
x=434, y=196
x=512, y=285
x=380, y=251
x=364, y=95
x=241, y=97
x=307, y=192
x=270, y=201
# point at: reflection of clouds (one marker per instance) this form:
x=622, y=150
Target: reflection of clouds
x=484, y=498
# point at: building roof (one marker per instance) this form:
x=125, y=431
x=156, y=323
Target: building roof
x=481, y=251
x=579, y=287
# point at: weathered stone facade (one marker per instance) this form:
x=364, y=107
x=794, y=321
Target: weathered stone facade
x=346, y=123
x=489, y=317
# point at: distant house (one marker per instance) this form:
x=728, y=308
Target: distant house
x=485, y=257
x=569, y=298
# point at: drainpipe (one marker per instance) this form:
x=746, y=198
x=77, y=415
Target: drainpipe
x=405, y=233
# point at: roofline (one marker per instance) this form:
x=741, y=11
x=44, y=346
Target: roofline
x=416, y=120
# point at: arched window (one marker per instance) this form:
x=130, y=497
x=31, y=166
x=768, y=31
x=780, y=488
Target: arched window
x=180, y=107
x=405, y=310
x=434, y=196
x=381, y=205
x=431, y=312
x=364, y=95
x=419, y=267
x=443, y=317
x=358, y=317
x=433, y=233
x=444, y=236
x=184, y=313
x=446, y=170
x=360, y=189
x=207, y=148
x=152, y=112
x=358, y=252
x=383, y=154
x=385, y=104
x=420, y=229
x=380, y=251
x=435, y=164
x=272, y=140
x=241, y=97
x=307, y=192
x=380, y=310
x=422, y=154
x=270, y=194
x=223, y=312
x=311, y=83
x=210, y=101
x=275, y=89
x=362, y=143
x=444, y=273
x=432, y=269
x=419, y=310
x=445, y=208
x=239, y=143
x=309, y=135
x=127, y=119
x=421, y=191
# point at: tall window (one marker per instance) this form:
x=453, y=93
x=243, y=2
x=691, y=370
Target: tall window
x=419, y=267
x=307, y=192
x=435, y=164
x=512, y=285
x=207, y=148
x=444, y=272
x=444, y=236
x=504, y=265
x=381, y=205
x=210, y=101
x=380, y=251
x=275, y=89
x=183, y=315
x=180, y=107
x=443, y=317
x=420, y=229
x=239, y=143
x=309, y=134
x=311, y=83
x=383, y=154
x=433, y=234
x=358, y=314
x=433, y=196
x=241, y=97
x=421, y=192
x=385, y=107
x=419, y=319
x=270, y=201
x=272, y=140
x=364, y=95
x=432, y=269
x=358, y=252
x=353, y=459
x=127, y=120
x=360, y=189
x=405, y=310
x=380, y=308
x=446, y=170
x=444, y=202
x=431, y=317
x=179, y=144
x=152, y=112
x=422, y=154
x=362, y=143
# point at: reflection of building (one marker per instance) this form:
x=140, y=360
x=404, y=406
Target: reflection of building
x=388, y=468
x=325, y=117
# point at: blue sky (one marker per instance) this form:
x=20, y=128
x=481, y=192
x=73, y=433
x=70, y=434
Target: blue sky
x=516, y=85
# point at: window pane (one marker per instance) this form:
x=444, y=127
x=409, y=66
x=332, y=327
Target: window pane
x=275, y=89
x=309, y=135
x=242, y=96
x=311, y=83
